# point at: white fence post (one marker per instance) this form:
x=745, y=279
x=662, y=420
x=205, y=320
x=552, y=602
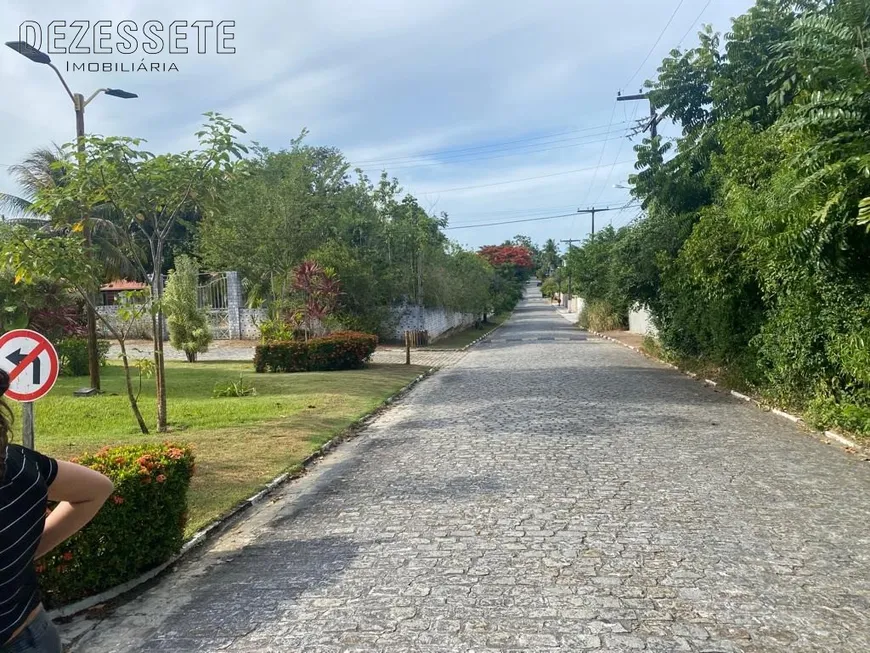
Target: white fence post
x=234, y=305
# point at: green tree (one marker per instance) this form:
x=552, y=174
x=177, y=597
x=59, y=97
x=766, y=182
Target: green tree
x=148, y=194
x=188, y=324
x=33, y=256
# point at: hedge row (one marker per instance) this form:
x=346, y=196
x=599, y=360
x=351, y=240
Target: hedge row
x=339, y=351
x=139, y=527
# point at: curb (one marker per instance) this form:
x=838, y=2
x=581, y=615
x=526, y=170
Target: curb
x=210, y=531
x=847, y=442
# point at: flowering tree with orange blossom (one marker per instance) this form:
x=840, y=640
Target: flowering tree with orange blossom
x=513, y=266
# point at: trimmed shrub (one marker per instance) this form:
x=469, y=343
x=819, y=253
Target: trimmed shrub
x=73, y=355
x=284, y=356
x=339, y=351
x=139, y=527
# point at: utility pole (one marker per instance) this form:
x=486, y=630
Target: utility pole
x=593, y=211
x=654, y=117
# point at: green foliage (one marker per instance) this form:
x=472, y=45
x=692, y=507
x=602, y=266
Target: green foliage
x=752, y=255
x=141, y=525
x=188, y=324
x=337, y=351
x=234, y=389
x=549, y=287
x=302, y=204
x=276, y=330
x=844, y=412
x=599, y=315
x=73, y=355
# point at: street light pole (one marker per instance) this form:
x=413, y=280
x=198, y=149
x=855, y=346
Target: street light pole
x=79, y=104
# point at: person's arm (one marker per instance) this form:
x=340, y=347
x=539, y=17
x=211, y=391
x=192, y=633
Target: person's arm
x=81, y=493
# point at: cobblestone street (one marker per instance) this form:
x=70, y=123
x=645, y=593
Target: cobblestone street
x=546, y=491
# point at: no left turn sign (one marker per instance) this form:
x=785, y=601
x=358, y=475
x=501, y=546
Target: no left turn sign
x=31, y=362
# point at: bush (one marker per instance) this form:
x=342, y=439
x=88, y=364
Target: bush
x=73, y=355
x=286, y=356
x=599, y=315
x=139, y=527
x=275, y=330
x=841, y=412
x=338, y=351
x=188, y=324
x=341, y=351
x=549, y=287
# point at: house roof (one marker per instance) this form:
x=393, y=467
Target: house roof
x=122, y=285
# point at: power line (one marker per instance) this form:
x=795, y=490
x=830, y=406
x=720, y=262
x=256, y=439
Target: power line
x=514, y=181
x=652, y=49
x=695, y=22
x=600, y=159
x=507, y=215
x=476, y=147
x=412, y=163
x=547, y=217
x=517, y=152
x=495, y=224
x=615, y=159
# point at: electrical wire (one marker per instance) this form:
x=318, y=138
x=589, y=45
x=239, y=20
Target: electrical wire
x=503, y=155
x=692, y=26
x=616, y=158
x=600, y=158
x=548, y=217
x=476, y=147
x=655, y=45
x=512, y=181
x=527, y=213
x=495, y=224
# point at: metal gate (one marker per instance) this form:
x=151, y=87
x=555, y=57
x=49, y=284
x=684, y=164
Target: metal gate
x=212, y=296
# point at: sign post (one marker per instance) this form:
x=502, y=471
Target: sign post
x=32, y=364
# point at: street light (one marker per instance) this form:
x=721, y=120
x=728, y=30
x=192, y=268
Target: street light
x=79, y=103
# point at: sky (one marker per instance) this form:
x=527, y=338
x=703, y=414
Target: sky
x=491, y=111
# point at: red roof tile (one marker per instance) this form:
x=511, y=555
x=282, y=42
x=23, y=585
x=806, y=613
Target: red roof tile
x=122, y=285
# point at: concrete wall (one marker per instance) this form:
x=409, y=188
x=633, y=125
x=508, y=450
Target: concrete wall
x=237, y=322
x=141, y=329
x=436, y=321
x=574, y=305
x=640, y=321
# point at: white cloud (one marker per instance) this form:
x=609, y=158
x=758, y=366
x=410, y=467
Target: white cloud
x=380, y=79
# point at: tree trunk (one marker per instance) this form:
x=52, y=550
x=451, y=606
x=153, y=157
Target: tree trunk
x=157, y=321
x=133, y=403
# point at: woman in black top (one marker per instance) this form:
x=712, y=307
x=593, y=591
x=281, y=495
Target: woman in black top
x=28, y=480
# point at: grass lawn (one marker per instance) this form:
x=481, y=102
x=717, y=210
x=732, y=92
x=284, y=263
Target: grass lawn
x=464, y=338
x=240, y=443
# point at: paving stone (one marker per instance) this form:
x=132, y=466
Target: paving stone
x=539, y=493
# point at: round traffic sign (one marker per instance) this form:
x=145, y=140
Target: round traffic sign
x=31, y=362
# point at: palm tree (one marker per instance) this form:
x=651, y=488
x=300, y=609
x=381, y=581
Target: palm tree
x=39, y=170
x=550, y=257
x=42, y=169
